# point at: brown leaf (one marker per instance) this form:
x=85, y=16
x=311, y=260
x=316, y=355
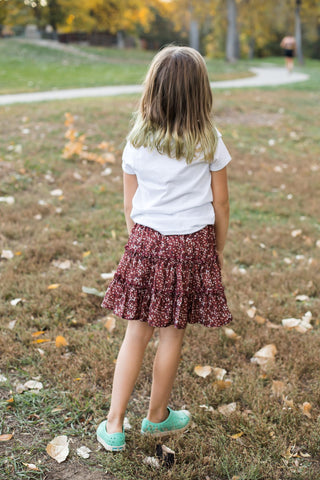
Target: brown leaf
x=222, y=384
x=260, y=320
x=277, y=388
x=5, y=437
x=58, y=448
x=306, y=407
x=227, y=409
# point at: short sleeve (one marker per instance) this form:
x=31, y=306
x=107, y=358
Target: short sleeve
x=128, y=159
x=221, y=155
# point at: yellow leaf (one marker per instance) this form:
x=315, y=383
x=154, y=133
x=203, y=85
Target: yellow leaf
x=36, y=334
x=5, y=437
x=259, y=319
x=236, y=435
x=69, y=119
x=202, y=371
x=53, y=286
x=41, y=340
x=61, y=341
x=306, y=407
x=110, y=323
x=222, y=384
x=18, y=253
x=86, y=254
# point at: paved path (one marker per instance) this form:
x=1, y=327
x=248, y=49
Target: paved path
x=270, y=76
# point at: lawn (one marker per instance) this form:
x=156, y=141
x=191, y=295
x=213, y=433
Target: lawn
x=60, y=242
x=29, y=68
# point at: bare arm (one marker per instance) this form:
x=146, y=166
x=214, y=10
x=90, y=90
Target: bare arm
x=219, y=185
x=130, y=185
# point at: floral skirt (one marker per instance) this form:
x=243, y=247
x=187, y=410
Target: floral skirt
x=169, y=280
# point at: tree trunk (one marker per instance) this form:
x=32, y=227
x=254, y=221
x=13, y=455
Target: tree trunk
x=298, y=34
x=232, y=45
x=194, y=34
x=120, y=39
x=193, y=31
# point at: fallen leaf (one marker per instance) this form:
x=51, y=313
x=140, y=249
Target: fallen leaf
x=272, y=325
x=7, y=254
x=3, y=378
x=5, y=437
x=202, y=371
x=231, y=333
x=58, y=448
x=302, y=298
x=227, y=409
x=126, y=424
x=152, y=461
x=296, y=233
x=222, y=384
x=56, y=193
x=110, y=323
x=306, y=407
x=31, y=466
x=219, y=373
x=290, y=323
x=15, y=301
x=83, y=452
x=260, y=320
x=277, y=388
x=8, y=200
x=86, y=254
x=251, y=312
x=33, y=385
x=41, y=340
x=236, y=435
x=265, y=355
x=53, y=286
x=12, y=324
x=37, y=334
x=92, y=291
x=61, y=341
x=63, y=265
x=106, y=172
x=107, y=276
x=288, y=403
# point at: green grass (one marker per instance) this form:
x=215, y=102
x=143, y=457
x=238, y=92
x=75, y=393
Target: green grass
x=31, y=68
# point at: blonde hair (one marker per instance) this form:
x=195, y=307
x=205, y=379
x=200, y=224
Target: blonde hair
x=174, y=114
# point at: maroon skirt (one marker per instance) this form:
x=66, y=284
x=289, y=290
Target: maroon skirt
x=169, y=280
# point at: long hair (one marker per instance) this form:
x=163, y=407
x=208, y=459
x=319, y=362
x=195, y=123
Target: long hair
x=174, y=114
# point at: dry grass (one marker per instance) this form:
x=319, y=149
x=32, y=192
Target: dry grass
x=78, y=378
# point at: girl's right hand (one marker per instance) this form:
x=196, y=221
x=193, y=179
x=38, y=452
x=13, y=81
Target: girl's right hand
x=220, y=259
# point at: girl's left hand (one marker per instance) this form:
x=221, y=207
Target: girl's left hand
x=220, y=259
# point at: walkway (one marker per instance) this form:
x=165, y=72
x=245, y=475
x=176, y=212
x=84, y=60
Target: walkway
x=264, y=77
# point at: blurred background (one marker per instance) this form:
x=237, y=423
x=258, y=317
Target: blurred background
x=228, y=29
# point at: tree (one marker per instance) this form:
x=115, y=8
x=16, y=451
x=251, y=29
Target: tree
x=298, y=33
x=232, y=43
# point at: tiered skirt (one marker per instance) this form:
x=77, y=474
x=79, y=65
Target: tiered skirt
x=169, y=280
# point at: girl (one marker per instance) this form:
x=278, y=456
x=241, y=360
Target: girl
x=177, y=211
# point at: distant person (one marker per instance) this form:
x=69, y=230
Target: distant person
x=289, y=45
x=177, y=214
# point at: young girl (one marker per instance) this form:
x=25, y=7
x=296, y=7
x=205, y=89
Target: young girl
x=177, y=212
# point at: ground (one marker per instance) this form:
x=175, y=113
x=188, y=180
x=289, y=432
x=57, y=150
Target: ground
x=271, y=258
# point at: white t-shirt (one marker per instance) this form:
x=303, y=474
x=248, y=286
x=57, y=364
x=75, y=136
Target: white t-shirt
x=172, y=197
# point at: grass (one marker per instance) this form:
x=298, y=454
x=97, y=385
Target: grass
x=29, y=68
x=274, y=177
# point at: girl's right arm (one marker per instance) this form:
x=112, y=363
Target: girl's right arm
x=219, y=185
x=130, y=185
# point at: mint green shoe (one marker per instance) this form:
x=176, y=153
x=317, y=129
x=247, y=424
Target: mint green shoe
x=176, y=422
x=113, y=442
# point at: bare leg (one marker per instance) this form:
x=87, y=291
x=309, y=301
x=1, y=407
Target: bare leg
x=127, y=369
x=165, y=368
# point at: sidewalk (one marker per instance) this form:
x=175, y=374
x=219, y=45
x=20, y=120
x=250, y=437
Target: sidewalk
x=270, y=76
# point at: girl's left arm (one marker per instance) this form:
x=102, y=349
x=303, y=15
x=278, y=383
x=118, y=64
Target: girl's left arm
x=130, y=185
